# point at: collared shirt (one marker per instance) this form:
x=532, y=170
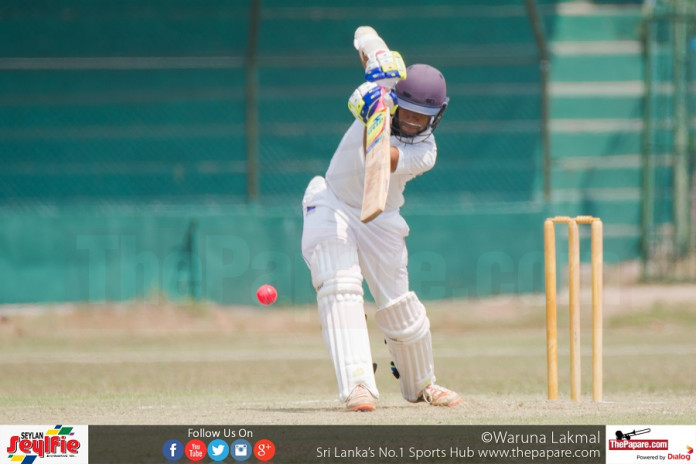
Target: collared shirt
x=346, y=174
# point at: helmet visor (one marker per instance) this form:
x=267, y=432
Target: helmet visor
x=427, y=110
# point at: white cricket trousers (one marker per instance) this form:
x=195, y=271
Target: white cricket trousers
x=382, y=253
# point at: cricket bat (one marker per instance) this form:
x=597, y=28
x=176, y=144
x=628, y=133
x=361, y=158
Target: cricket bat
x=377, y=163
x=377, y=160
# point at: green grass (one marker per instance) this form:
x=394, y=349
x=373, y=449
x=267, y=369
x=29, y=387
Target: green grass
x=146, y=364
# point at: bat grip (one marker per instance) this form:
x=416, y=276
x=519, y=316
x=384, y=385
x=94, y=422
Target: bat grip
x=368, y=42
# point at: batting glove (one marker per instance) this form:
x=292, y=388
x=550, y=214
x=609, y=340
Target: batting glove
x=363, y=102
x=387, y=67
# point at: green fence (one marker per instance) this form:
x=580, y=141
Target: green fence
x=669, y=218
x=180, y=101
x=224, y=255
x=162, y=147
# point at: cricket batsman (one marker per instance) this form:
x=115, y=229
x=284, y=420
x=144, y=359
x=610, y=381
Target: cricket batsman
x=340, y=250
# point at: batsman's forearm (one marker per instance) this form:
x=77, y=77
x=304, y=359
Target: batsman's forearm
x=393, y=158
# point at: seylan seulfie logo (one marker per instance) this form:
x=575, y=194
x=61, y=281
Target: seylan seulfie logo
x=44, y=444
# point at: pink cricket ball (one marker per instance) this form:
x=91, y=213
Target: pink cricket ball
x=266, y=294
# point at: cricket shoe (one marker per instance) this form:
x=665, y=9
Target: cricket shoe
x=435, y=395
x=360, y=399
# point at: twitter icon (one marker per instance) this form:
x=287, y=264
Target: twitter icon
x=218, y=450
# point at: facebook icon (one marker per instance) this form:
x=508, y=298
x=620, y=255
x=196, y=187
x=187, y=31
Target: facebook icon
x=173, y=450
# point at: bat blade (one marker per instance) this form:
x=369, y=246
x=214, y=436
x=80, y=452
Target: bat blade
x=377, y=163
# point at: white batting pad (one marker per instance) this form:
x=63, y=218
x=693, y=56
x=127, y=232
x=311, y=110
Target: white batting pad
x=407, y=330
x=337, y=277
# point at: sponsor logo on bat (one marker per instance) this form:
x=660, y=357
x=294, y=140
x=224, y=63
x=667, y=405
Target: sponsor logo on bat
x=375, y=130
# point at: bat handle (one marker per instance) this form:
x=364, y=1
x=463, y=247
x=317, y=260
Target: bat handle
x=367, y=42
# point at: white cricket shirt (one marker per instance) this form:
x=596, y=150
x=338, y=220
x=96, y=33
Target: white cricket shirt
x=346, y=174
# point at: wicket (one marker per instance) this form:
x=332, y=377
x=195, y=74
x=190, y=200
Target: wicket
x=574, y=303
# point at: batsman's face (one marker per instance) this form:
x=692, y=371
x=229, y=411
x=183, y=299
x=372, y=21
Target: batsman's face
x=412, y=123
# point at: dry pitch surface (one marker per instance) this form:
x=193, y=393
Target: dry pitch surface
x=147, y=363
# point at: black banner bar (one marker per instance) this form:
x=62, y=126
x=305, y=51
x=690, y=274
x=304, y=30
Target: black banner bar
x=347, y=444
